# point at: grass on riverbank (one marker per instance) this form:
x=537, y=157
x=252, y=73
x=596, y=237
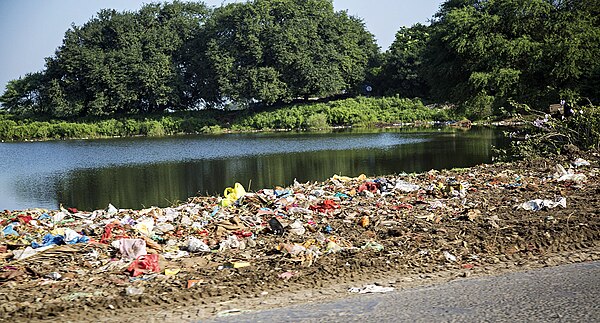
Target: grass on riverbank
x=361, y=111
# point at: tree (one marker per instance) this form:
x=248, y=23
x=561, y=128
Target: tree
x=482, y=53
x=403, y=61
x=278, y=50
x=22, y=96
x=121, y=62
x=183, y=55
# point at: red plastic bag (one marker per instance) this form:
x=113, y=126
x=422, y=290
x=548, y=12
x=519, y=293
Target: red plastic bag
x=144, y=264
x=326, y=205
x=368, y=186
x=119, y=233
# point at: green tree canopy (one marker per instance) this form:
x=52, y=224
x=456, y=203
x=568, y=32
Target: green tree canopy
x=119, y=62
x=278, y=50
x=483, y=52
x=403, y=61
x=479, y=54
x=23, y=95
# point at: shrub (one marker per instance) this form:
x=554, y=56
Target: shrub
x=152, y=128
x=545, y=135
x=212, y=129
x=317, y=121
x=316, y=115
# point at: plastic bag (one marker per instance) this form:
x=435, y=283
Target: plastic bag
x=145, y=226
x=539, y=204
x=9, y=230
x=233, y=194
x=144, y=264
x=132, y=248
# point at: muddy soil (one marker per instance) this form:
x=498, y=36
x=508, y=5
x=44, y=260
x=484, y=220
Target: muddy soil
x=461, y=223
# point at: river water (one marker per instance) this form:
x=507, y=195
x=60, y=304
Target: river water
x=143, y=172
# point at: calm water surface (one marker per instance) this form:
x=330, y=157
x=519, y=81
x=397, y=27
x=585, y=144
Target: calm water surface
x=142, y=172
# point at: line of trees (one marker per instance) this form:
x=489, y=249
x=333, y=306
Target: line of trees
x=478, y=54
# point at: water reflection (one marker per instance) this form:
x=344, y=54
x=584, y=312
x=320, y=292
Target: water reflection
x=161, y=184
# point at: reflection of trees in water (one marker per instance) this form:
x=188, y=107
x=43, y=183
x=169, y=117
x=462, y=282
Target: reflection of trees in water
x=165, y=183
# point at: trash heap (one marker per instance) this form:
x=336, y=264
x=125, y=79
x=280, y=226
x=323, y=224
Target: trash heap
x=300, y=225
x=133, y=239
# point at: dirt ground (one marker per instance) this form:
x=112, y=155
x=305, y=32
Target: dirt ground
x=458, y=223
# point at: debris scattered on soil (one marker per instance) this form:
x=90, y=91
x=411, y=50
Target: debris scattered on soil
x=245, y=244
x=370, y=289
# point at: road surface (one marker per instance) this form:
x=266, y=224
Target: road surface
x=569, y=293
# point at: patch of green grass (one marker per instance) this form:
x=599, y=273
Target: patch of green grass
x=360, y=111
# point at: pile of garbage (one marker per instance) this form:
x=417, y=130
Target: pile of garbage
x=302, y=223
x=238, y=219
x=209, y=224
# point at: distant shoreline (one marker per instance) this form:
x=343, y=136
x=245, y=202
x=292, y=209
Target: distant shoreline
x=361, y=112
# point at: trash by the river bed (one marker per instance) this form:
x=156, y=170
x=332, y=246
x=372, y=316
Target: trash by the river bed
x=239, y=264
x=287, y=275
x=364, y=221
x=49, y=240
x=232, y=194
x=563, y=175
x=132, y=291
x=580, y=162
x=327, y=206
x=276, y=226
x=144, y=264
x=372, y=245
x=361, y=177
x=111, y=210
x=333, y=247
x=539, y=204
x=145, y=226
x=297, y=228
x=449, y=256
x=197, y=245
x=172, y=271
x=278, y=234
x=193, y=282
x=232, y=242
x=132, y=248
x=9, y=230
x=27, y=252
x=368, y=187
x=292, y=249
x=370, y=289
x=406, y=187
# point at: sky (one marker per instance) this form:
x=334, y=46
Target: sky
x=31, y=30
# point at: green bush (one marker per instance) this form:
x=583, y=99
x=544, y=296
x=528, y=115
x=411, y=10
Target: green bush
x=110, y=128
x=212, y=129
x=359, y=111
x=152, y=128
x=585, y=128
x=317, y=121
x=132, y=127
x=6, y=129
x=544, y=135
x=355, y=111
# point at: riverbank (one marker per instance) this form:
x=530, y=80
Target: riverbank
x=356, y=112
x=295, y=244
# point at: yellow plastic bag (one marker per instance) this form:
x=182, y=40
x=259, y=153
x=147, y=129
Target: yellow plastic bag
x=233, y=194
x=360, y=177
x=172, y=271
